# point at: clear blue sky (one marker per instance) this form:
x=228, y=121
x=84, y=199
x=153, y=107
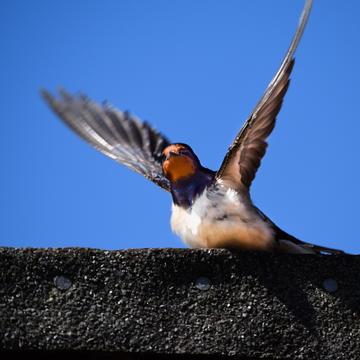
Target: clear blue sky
x=194, y=69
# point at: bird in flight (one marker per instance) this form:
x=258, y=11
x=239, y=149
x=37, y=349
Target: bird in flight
x=211, y=209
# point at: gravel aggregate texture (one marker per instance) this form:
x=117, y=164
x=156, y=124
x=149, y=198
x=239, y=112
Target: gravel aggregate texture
x=181, y=302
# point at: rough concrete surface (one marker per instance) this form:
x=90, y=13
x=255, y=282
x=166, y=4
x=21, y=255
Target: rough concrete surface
x=180, y=301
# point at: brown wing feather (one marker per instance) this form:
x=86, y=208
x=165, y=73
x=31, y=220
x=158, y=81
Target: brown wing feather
x=116, y=134
x=244, y=156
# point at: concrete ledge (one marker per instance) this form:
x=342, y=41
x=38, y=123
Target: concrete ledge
x=180, y=301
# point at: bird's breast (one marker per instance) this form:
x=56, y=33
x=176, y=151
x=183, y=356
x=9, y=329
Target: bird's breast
x=219, y=218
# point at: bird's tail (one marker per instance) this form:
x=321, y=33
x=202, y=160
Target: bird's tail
x=322, y=249
x=289, y=243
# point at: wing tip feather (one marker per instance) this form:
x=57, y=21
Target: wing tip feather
x=92, y=123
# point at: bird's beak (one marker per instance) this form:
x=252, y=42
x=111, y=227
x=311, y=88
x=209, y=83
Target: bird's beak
x=171, y=154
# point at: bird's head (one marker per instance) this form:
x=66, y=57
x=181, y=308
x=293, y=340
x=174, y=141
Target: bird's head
x=179, y=162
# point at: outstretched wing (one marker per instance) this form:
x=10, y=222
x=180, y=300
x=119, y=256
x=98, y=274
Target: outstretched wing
x=116, y=134
x=244, y=155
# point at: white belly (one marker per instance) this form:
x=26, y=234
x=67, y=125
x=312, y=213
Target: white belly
x=221, y=219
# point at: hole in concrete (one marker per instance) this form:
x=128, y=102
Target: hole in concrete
x=330, y=285
x=62, y=282
x=203, y=283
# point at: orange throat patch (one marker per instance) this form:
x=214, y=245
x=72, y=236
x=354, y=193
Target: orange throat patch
x=179, y=168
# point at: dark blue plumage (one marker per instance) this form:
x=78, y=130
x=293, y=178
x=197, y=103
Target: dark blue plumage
x=184, y=192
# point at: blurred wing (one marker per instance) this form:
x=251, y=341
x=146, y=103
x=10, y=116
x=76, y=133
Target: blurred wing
x=244, y=155
x=116, y=134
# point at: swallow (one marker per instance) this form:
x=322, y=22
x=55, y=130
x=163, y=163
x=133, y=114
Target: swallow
x=211, y=209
